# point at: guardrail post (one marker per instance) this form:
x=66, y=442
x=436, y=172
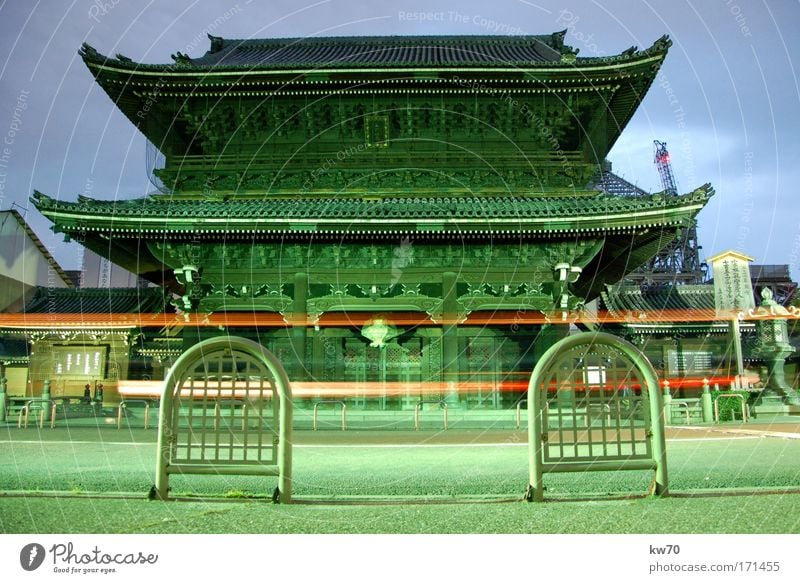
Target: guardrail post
x=46, y=397
x=3, y=396
x=519, y=411
x=705, y=403
x=667, y=403
x=333, y=402
x=46, y=409
x=125, y=403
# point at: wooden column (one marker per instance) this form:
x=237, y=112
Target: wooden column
x=299, y=334
x=3, y=393
x=735, y=335
x=450, y=363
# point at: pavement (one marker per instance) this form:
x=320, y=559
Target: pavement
x=788, y=429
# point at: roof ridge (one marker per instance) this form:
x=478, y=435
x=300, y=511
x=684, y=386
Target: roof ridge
x=219, y=43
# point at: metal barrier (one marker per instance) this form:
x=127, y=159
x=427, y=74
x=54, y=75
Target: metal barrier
x=232, y=405
x=333, y=402
x=190, y=442
x=442, y=405
x=583, y=373
x=685, y=407
x=41, y=405
x=580, y=413
x=716, y=406
x=519, y=411
x=125, y=404
x=600, y=408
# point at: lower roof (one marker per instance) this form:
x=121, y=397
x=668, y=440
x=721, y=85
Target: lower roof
x=97, y=301
x=588, y=212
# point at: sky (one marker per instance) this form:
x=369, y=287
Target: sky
x=726, y=102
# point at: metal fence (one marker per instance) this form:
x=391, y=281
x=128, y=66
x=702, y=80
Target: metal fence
x=226, y=409
x=594, y=404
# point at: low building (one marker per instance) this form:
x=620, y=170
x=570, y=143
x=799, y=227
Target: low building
x=79, y=337
x=26, y=263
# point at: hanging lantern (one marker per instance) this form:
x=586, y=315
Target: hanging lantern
x=379, y=331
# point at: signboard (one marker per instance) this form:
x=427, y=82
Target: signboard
x=733, y=290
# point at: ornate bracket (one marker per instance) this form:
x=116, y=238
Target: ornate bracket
x=344, y=302
x=565, y=275
x=189, y=277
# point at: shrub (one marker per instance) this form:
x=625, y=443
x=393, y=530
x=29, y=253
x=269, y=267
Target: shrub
x=730, y=409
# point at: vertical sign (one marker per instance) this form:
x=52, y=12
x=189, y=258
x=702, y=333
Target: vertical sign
x=733, y=290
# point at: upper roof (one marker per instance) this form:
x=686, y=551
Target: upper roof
x=388, y=51
x=167, y=101
x=339, y=52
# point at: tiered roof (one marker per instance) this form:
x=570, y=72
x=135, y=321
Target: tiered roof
x=623, y=300
x=363, y=52
x=435, y=65
x=477, y=215
x=381, y=51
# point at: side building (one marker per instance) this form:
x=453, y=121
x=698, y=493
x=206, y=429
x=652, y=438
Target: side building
x=75, y=338
x=26, y=263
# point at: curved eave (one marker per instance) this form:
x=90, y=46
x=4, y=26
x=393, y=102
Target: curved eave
x=579, y=67
x=102, y=219
x=551, y=58
x=588, y=224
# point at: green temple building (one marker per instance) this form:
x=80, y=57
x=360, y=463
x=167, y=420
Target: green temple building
x=383, y=211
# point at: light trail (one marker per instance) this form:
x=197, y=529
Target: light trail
x=375, y=389
x=359, y=319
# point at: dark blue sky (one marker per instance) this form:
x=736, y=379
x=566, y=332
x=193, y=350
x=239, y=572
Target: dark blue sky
x=727, y=102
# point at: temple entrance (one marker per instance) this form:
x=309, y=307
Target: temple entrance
x=594, y=404
x=226, y=409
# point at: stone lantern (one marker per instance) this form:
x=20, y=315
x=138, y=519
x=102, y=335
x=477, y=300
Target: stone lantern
x=772, y=345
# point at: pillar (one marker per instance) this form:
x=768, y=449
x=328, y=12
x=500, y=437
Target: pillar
x=450, y=364
x=736, y=340
x=705, y=403
x=46, y=396
x=3, y=394
x=299, y=320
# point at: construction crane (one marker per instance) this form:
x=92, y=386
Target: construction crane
x=665, y=168
x=678, y=262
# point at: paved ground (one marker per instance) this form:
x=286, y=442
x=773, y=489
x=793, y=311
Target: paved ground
x=728, y=478
x=784, y=429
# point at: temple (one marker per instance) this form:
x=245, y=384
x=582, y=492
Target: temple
x=383, y=210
